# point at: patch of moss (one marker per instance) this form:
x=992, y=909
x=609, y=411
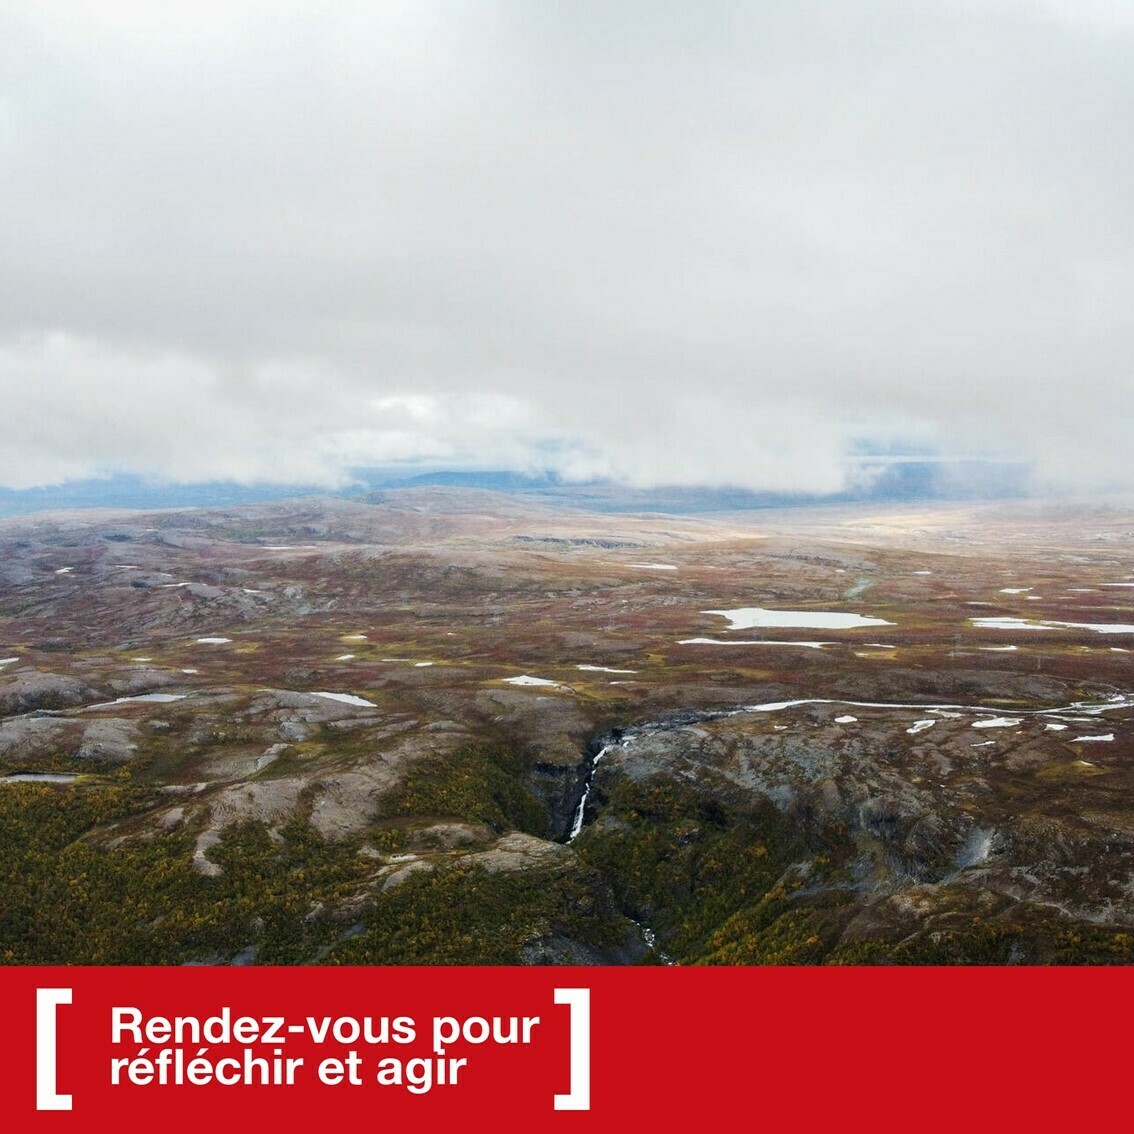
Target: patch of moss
x=66, y=899
x=479, y=783
x=466, y=916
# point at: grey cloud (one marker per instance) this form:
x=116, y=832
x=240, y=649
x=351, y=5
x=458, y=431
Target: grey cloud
x=692, y=243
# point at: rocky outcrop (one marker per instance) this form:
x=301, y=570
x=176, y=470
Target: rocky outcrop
x=937, y=812
x=108, y=741
x=27, y=690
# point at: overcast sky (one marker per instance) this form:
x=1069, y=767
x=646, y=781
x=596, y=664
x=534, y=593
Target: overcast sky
x=667, y=242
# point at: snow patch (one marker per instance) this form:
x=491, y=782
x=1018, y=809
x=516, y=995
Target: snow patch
x=38, y=778
x=776, y=706
x=1007, y=623
x=1100, y=627
x=346, y=699
x=1087, y=709
x=758, y=642
x=749, y=617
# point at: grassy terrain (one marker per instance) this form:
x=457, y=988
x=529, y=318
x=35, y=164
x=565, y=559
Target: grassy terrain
x=312, y=809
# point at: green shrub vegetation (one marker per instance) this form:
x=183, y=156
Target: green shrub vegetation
x=479, y=783
x=686, y=864
x=72, y=894
x=66, y=898
x=463, y=915
x=86, y=878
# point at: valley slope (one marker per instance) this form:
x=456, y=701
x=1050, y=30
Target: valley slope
x=365, y=731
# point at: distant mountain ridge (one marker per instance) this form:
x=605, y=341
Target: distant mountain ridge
x=879, y=479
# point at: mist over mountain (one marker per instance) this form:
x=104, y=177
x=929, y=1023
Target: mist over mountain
x=879, y=480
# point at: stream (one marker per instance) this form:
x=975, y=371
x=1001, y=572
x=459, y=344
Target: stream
x=1082, y=712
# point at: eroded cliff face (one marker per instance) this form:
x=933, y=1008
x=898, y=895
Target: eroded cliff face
x=900, y=832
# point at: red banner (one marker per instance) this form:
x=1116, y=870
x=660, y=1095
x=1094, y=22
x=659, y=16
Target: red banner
x=583, y=1049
